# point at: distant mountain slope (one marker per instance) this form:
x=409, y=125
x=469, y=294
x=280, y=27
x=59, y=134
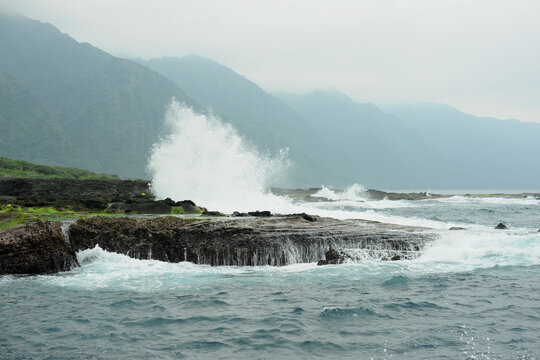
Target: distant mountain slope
x=109, y=111
x=379, y=149
x=424, y=145
x=259, y=116
x=26, y=128
x=482, y=152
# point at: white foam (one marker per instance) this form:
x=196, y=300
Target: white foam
x=529, y=200
x=467, y=250
x=207, y=161
x=355, y=192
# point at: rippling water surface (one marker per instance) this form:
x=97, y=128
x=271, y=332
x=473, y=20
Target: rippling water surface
x=473, y=294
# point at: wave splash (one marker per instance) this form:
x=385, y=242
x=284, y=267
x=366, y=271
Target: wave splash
x=207, y=161
x=355, y=192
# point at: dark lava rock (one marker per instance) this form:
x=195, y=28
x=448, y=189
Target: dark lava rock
x=252, y=213
x=162, y=207
x=188, y=206
x=150, y=207
x=212, y=213
x=35, y=248
x=73, y=193
x=307, y=217
x=239, y=214
x=244, y=241
x=169, y=202
x=457, y=228
x=95, y=204
x=501, y=226
x=332, y=257
x=7, y=199
x=260, y=213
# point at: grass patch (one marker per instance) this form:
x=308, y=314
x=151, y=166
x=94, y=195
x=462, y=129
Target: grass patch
x=177, y=210
x=15, y=220
x=21, y=168
x=12, y=215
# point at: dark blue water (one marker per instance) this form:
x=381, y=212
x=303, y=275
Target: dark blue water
x=473, y=294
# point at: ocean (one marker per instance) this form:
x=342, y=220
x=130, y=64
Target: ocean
x=472, y=294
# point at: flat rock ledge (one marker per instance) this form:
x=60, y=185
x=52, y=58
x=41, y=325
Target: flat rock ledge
x=35, y=248
x=247, y=241
x=42, y=247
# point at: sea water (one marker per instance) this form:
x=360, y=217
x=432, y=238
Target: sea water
x=472, y=294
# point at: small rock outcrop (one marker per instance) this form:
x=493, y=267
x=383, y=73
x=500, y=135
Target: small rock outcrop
x=501, y=226
x=257, y=213
x=35, y=248
x=457, y=228
x=332, y=257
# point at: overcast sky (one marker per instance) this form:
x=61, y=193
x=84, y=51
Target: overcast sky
x=482, y=56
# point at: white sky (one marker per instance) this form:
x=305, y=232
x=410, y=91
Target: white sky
x=482, y=56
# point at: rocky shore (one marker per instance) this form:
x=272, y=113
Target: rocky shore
x=41, y=247
x=245, y=239
x=276, y=240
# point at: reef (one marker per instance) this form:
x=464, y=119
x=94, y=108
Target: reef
x=245, y=241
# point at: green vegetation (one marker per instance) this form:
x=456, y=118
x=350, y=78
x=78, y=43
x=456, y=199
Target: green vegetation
x=13, y=215
x=177, y=210
x=21, y=168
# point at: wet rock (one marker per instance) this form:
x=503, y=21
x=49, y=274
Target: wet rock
x=307, y=217
x=35, y=248
x=332, y=257
x=457, y=228
x=501, y=226
x=275, y=240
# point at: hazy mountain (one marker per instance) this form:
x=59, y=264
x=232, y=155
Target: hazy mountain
x=479, y=152
x=259, y=116
x=378, y=149
x=27, y=130
x=423, y=145
x=103, y=112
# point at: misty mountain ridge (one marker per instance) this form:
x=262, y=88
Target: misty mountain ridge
x=108, y=110
x=72, y=104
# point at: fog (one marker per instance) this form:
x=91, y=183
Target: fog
x=480, y=56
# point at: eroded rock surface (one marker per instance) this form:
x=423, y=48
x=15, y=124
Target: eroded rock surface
x=36, y=248
x=277, y=240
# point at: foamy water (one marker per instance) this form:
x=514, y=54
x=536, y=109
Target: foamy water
x=205, y=160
